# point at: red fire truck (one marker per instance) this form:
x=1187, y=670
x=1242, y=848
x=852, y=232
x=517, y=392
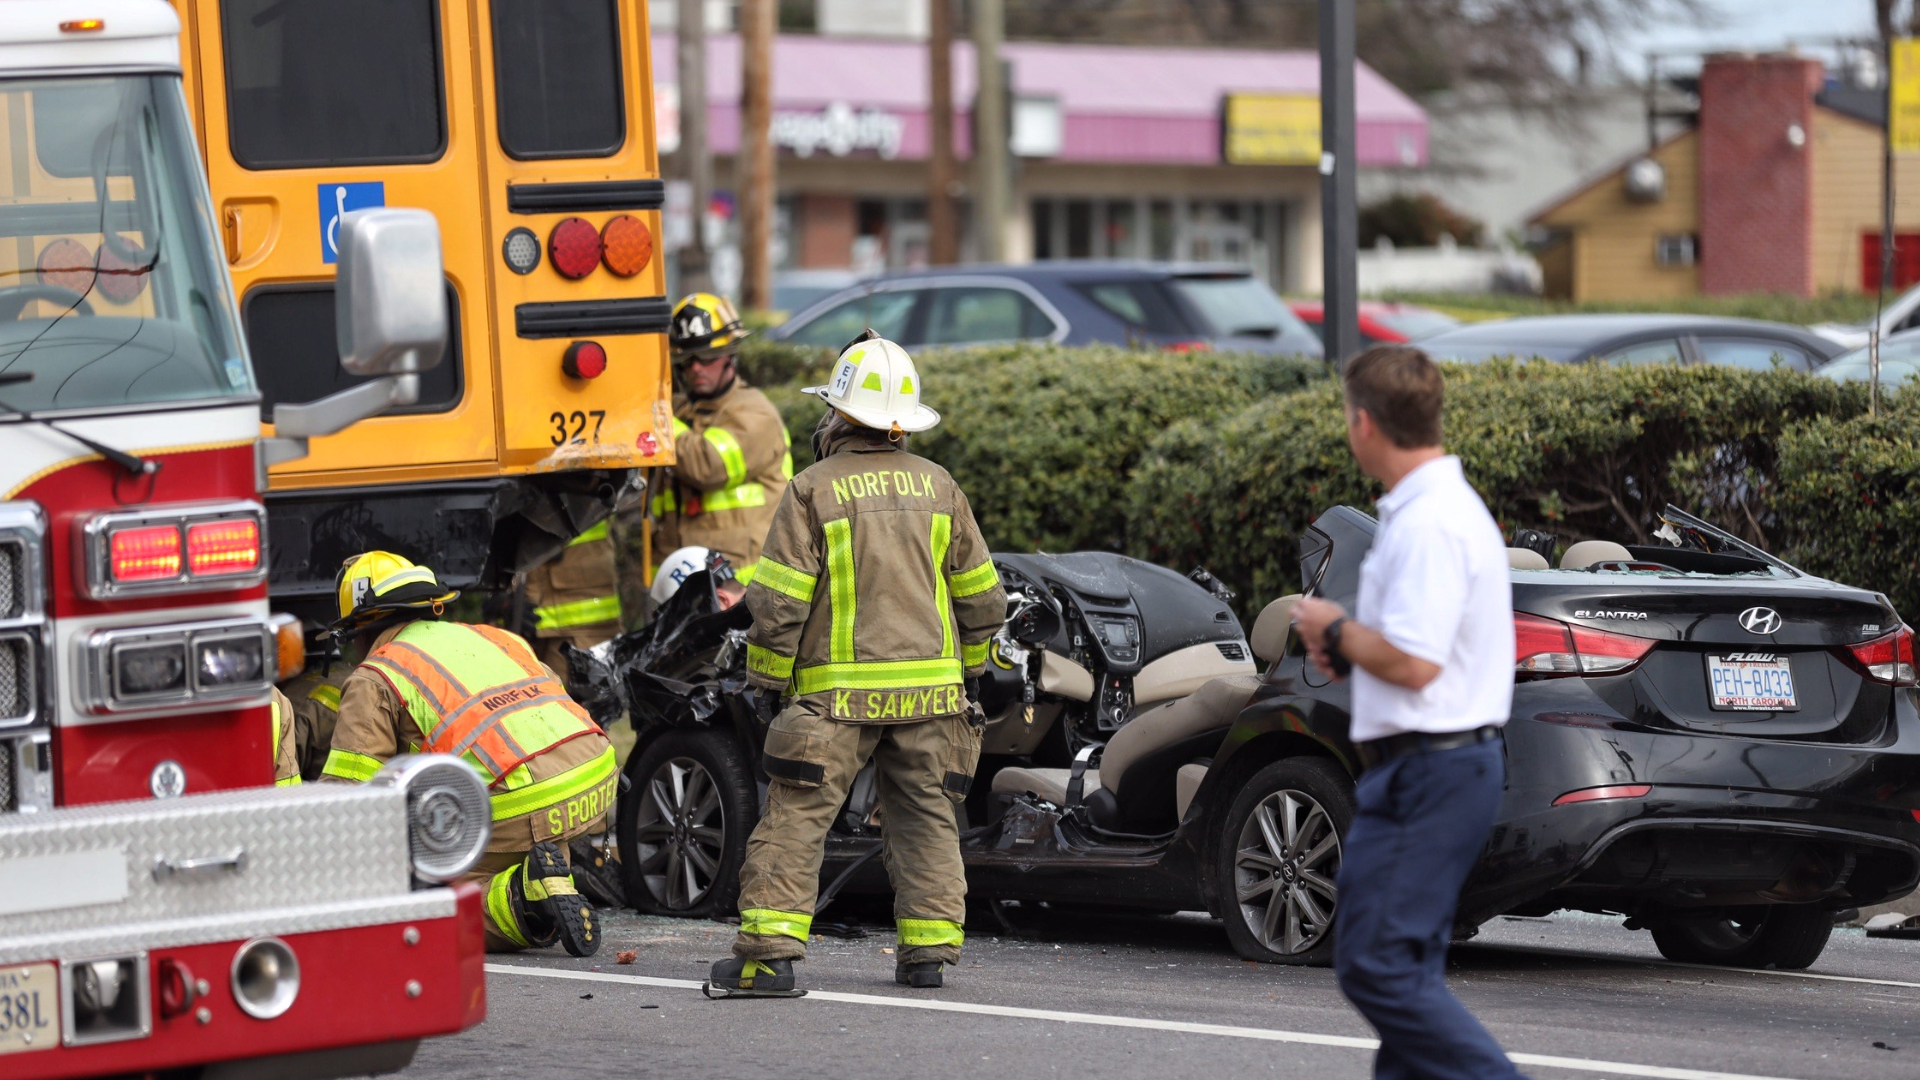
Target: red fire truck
x=163, y=906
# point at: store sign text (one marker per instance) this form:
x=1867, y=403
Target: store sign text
x=839, y=130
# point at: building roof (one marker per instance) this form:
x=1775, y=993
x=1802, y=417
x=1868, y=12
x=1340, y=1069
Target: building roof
x=1869, y=106
x=1120, y=103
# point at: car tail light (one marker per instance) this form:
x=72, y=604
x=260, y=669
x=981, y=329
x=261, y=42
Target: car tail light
x=626, y=244
x=1187, y=346
x=150, y=553
x=215, y=548
x=574, y=247
x=179, y=549
x=1546, y=649
x=584, y=360
x=1887, y=659
x=1609, y=791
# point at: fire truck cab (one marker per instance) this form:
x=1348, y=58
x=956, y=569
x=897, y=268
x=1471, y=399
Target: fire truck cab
x=162, y=905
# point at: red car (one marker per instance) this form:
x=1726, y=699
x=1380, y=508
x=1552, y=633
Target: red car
x=1380, y=322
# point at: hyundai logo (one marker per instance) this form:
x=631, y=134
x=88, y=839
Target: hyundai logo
x=1760, y=620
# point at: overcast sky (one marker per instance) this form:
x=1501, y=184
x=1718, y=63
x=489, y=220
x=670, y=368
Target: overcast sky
x=1757, y=24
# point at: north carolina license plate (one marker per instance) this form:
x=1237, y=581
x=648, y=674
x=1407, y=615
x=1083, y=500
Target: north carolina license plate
x=29, y=1007
x=1751, y=682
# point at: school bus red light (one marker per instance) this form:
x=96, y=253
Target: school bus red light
x=574, y=247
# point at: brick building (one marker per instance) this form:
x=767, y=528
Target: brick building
x=1775, y=188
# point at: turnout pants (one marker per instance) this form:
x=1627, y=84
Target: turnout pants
x=1419, y=827
x=922, y=771
x=506, y=856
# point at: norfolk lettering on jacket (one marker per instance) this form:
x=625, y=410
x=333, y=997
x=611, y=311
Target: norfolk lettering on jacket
x=860, y=705
x=884, y=482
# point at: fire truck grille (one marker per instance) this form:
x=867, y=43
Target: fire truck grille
x=8, y=804
x=13, y=586
x=16, y=678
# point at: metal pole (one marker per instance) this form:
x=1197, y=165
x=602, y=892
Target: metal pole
x=695, y=166
x=989, y=132
x=1886, y=231
x=943, y=245
x=753, y=162
x=1339, y=214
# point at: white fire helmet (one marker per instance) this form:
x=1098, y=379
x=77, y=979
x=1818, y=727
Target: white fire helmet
x=876, y=385
x=675, y=571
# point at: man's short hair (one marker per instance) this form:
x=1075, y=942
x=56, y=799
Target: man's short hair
x=1401, y=388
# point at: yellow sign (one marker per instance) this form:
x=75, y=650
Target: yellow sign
x=1903, y=127
x=1275, y=129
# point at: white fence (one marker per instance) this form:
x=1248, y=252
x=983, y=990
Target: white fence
x=1446, y=268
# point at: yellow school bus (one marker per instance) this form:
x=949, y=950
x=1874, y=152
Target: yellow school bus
x=526, y=126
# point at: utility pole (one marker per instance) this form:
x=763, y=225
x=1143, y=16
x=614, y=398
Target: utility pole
x=990, y=179
x=1339, y=212
x=696, y=167
x=754, y=160
x=942, y=223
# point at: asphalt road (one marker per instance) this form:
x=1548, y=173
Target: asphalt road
x=1120, y=997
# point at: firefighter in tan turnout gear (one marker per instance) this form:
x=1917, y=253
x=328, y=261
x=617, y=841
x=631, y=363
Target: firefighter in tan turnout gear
x=476, y=692
x=873, y=607
x=731, y=447
x=575, y=597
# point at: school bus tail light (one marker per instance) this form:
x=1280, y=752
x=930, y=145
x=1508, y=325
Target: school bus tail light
x=628, y=245
x=584, y=360
x=574, y=247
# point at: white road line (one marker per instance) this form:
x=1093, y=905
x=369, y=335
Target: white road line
x=1648, y=961
x=1616, y=1068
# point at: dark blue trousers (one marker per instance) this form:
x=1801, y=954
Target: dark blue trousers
x=1419, y=827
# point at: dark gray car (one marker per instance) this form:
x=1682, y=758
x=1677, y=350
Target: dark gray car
x=1637, y=339
x=1163, y=305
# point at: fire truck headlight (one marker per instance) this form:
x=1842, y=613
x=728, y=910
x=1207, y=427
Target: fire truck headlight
x=266, y=978
x=150, y=670
x=449, y=817
x=229, y=661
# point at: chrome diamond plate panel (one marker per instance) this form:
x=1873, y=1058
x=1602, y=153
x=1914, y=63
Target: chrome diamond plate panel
x=315, y=857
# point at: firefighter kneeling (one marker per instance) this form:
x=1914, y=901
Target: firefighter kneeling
x=874, y=601
x=476, y=692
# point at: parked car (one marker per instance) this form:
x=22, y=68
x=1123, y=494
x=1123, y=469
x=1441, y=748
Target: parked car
x=1381, y=323
x=1902, y=313
x=1899, y=361
x=797, y=290
x=1165, y=305
x=1637, y=339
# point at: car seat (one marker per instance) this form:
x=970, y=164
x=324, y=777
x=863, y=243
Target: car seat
x=1587, y=552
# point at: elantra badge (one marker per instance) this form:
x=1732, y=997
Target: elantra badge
x=1760, y=620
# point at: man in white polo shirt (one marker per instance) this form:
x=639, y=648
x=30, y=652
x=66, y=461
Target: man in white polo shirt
x=1430, y=651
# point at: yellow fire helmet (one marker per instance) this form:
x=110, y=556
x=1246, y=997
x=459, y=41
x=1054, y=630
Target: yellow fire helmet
x=704, y=326
x=876, y=385
x=379, y=582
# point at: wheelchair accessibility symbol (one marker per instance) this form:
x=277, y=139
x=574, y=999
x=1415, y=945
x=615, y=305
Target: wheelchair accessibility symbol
x=336, y=200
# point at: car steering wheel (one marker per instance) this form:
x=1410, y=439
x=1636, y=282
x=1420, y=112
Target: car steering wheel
x=15, y=298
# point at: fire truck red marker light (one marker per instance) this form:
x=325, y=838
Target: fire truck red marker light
x=151, y=553
x=584, y=360
x=1609, y=791
x=574, y=247
x=223, y=547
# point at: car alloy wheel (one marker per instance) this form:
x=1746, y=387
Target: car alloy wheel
x=1286, y=861
x=681, y=833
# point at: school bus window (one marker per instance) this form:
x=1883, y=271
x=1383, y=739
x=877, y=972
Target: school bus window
x=333, y=82
x=557, y=69
x=291, y=336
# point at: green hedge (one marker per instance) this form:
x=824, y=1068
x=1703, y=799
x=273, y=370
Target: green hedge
x=1845, y=307
x=1582, y=451
x=1848, y=496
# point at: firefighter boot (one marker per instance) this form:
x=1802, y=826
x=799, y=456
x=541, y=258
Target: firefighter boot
x=925, y=975
x=596, y=870
x=554, y=900
x=734, y=977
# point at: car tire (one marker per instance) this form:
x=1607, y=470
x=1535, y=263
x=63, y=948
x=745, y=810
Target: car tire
x=1785, y=936
x=683, y=823
x=1278, y=905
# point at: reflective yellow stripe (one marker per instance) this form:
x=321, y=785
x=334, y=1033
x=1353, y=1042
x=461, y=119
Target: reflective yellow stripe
x=500, y=907
x=769, y=663
x=348, y=765
x=975, y=655
x=840, y=580
x=555, y=790
x=877, y=675
x=793, y=924
x=577, y=613
x=784, y=579
x=731, y=455
x=744, y=574
x=975, y=581
x=921, y=932
x=273, y=717
x=786, y=462
x=942, y=537
x=291, y=781
x=326, y=694
x=664, y=503
x=598, y=532
x=409, y=576
x=680, y=427
x=737, y=497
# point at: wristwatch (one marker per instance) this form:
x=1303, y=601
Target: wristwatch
x=1330, y=641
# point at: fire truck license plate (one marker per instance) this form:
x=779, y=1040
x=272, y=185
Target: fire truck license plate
x=29, y=1007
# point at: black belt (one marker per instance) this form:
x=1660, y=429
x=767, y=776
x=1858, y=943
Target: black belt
x=1377, y=751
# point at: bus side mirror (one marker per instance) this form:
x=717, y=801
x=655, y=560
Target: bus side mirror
x=390, y=320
